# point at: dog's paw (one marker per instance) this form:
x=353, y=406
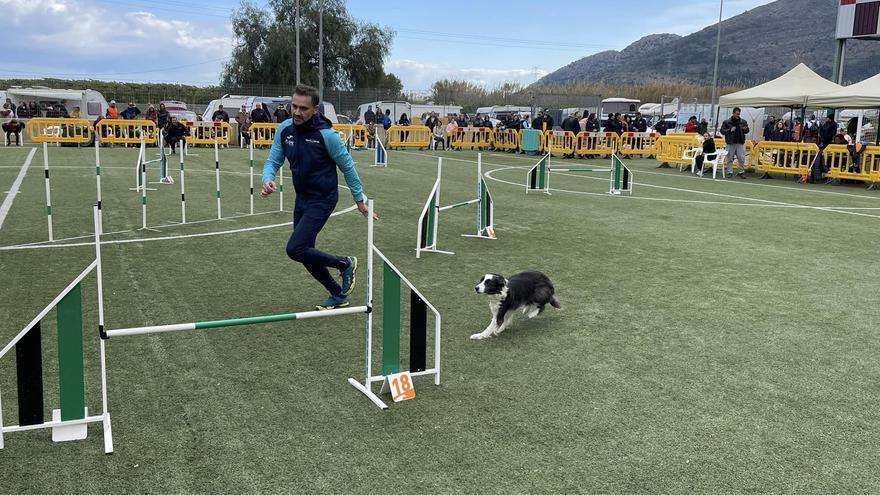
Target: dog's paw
x=479, y=336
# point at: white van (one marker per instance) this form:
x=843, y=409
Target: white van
x=233, y=103
x=91, y=103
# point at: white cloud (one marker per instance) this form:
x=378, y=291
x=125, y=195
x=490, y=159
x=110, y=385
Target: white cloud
x=420, y=76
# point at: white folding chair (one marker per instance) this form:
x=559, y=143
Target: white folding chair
x=691, y=155
x=716, y=159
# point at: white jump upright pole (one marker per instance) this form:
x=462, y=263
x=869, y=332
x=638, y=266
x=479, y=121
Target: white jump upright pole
x=143, y=170
x=108, y=429
x=251, y=149
x=369, y=302
x=281, y=188
x=217, y=172
x=48, y=189
x=98, y=172
x=182, y=185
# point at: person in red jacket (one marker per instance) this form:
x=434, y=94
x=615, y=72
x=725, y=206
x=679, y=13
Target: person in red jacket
x=692, y=125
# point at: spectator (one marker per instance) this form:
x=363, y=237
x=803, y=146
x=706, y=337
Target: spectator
x=378, y=118
x=152, y=114
x=734, y=131
x=779, y=133
x=796, y=132
x=243, y=119
x=612, y=124
x=220, y=114
x=371, y=134
x=828, y=130
x=162, y=117
x=703, y=128
x=623, y=124
x=592, y=123
x=461, y=121
x=8, y=110
x=404, y=121
x=811, y=131
x=432, y=121
x=439, y=132
x=281, y=114
x=572, y=124
x=22, y=111
x=546, y=123
x=51, y=113
x=13, y=128
x=708, y=149
x=852, y=126
x=175, y=133
x=131, y=112
x=386, y=120
x=450, y=130
x=259, y=115
x=536, y=122
x=369, y=116
x=639, y=124
x=769, y=127
x=691, y=125
x=34, y=109
x=76, y=113
x=487, y=122
x=661, y=126
x=842, y=138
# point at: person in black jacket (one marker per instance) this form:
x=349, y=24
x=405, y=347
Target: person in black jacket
x=768, y=128
x=639, y=124
x=734, y=131
x=612, y=124
x=828, y=130
x=259, y=115
x=220, y=114
x=779, y=133
x=162, y=117
x=175, y=133
x=708, y=149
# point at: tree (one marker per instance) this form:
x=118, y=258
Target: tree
x=265, y=46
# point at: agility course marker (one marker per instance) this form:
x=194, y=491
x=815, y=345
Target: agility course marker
x=217, y=173
x=538, y=177
x=182, y=185
x=251, y=169
x=429, y=220
x=70, y=420
x=391, y=319
x=48, y=189
x=380, y=159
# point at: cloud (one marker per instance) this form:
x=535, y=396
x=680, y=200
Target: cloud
x=701, y=14
x=76, y=38
x=420, y=76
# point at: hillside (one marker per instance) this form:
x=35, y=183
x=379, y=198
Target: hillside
x=756, y=46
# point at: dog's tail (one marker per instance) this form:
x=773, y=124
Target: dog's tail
x=555, y=303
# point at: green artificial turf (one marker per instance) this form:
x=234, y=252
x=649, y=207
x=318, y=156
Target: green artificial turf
x=715, y=336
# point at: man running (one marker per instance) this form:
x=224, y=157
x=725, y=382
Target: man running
x=314, y=150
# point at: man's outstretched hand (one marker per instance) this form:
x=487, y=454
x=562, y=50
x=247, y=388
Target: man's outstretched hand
x=268, y=188
x=362, y=207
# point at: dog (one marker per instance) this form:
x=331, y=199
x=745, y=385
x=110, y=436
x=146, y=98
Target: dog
x=528, y=292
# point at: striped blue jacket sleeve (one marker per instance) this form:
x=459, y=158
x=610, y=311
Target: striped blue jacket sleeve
x=343, y=160
x=276, y=155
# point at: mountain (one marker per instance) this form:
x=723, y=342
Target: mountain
x=756, y=46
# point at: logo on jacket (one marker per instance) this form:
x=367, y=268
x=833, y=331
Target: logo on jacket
x=312, y=141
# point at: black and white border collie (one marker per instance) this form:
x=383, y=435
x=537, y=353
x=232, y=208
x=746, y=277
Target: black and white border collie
x=528, y=292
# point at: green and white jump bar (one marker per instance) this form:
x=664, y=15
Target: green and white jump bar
x=538, y=177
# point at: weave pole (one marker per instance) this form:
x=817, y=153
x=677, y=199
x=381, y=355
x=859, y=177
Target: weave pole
x=142, y=165
x=251, y=150
x=217, y=173
x=48, y=189
x=182, y=184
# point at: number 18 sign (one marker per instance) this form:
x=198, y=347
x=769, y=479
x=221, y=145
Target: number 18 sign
x=401, y=386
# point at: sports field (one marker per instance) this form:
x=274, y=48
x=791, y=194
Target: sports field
x=715, y=336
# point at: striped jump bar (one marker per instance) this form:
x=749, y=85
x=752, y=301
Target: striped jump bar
x=253, y=320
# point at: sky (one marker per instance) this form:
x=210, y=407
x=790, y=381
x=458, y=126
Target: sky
x=487, y=42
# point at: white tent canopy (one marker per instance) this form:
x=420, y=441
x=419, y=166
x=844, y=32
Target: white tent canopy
x=791, y=89
x=865, y=94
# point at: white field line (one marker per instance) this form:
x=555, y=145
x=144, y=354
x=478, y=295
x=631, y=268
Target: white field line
x=740, y=183
x=13, y=191
x=831, y=209
x=167, y=238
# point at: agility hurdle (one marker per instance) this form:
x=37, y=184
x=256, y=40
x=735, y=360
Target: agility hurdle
x=49, y=130
x=429, y=221
x=380, y=158
x=70, y=419
x=538, y=177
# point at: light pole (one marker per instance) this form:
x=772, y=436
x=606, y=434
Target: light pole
x=296, y=25
x=321, y=53
x=715, y=75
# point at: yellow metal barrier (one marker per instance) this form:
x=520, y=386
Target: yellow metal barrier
x=597, y=143
x=359, y=131
x=784, y=158
x=562, y=142
x=638, y=143
x=750, y=152
x=471, y=137
x=506, y=139
x=120, y=131
x=671, y=147
x=49, y=130
x=408, y=136
x=204, y=133
x=263, y=133
x=838, y=160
